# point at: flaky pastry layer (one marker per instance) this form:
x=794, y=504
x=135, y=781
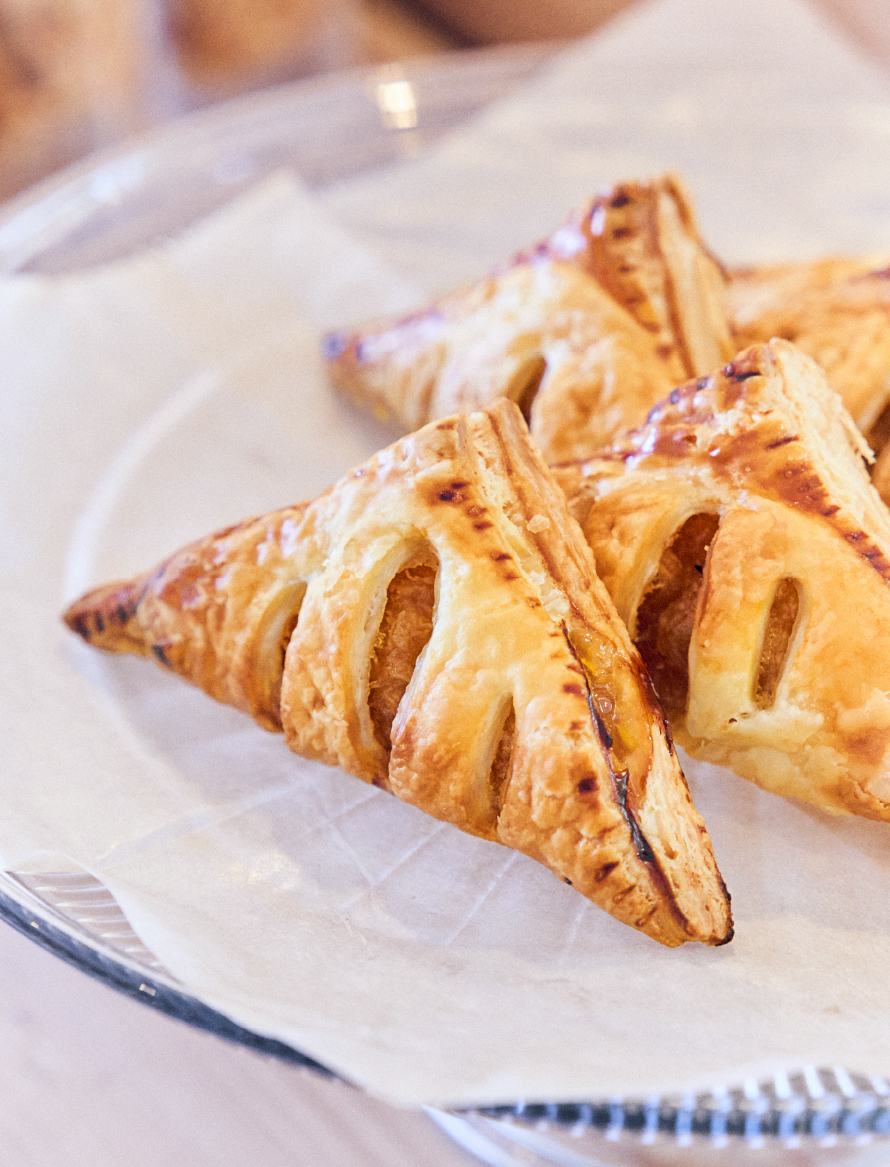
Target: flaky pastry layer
x=837, y=310
x=434, y=624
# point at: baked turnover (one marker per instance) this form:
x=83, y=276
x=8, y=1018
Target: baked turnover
x=749, y=555
x=838, y=311
x=585, y=331
x=434, y=625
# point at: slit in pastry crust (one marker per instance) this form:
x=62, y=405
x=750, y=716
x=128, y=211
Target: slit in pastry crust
x=878, y=433
x=499, y=771
x=523, y=714
x=837, y=310
x=277, y=626
x=404, y=632
x=775, y=647
x=665, y=618
x=526, y=384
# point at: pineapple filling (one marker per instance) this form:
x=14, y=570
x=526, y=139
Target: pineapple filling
x=525, y=385
x=278, y=626
x=405, y=629
x=879, y=434
x=666, y=615
x=499, y=774
x=777, y=635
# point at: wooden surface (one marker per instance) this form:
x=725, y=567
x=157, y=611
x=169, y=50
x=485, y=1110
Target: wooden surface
x=89, y=1078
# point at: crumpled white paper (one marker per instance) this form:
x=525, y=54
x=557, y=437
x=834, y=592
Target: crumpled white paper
x=148, y=402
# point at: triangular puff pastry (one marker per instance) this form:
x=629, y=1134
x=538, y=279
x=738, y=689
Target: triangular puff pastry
x=749, y=555
x=585, y=331
x=433, y=624
x=837, y=310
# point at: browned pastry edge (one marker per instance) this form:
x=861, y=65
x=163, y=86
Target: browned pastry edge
x=837, y=310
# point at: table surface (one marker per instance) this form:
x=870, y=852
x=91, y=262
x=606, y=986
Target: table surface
x=88, y=1077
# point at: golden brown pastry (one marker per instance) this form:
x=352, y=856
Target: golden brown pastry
x=755, y=290
x=749, y=555
x=585, y=332
x=838, y=311
x=433, y=624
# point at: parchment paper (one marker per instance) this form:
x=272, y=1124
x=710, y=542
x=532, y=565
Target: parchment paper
x=148, y=402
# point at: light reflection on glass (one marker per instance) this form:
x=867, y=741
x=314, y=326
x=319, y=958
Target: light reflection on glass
x=397, y=103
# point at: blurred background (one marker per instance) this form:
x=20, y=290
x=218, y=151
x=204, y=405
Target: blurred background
x=78, y=75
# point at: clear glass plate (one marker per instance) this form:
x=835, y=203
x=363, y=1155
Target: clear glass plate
x=325, y=129
x=112, y=205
